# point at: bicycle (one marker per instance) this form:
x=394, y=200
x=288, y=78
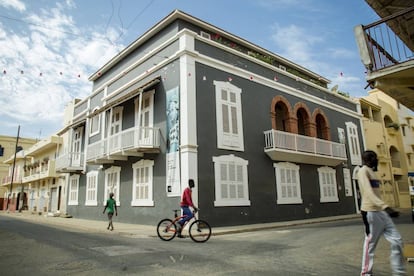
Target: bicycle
x=199, y=231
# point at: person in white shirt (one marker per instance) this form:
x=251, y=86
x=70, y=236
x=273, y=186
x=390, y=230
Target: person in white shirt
x=378, y=215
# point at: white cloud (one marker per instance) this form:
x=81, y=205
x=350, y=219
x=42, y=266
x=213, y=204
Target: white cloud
x=13, y=4
x=296, y=43
x=341, y=53
x=56, y=58
x=312, y=51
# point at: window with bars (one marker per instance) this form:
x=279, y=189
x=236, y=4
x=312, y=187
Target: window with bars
x=91, y=188
x=229, y=116
x=142, y=187
x=231, y=181
x=288, y=183
x=327, y=184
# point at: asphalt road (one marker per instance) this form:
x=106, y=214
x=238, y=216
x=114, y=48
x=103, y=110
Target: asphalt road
x=332, y=248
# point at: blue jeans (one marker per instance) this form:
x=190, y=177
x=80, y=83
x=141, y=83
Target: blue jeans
x=187, y=215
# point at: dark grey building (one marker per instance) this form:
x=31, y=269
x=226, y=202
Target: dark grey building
x=263, y=138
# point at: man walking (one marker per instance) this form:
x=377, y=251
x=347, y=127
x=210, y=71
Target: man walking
x=111, y=206
x=378, y=217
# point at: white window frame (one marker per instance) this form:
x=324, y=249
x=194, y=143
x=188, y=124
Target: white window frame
x=353, y=143
x=327, y=185
x=95, y=124
x=140, y=110
x=228, y=139
x=91, y=196
x=239, y=186
x=115, y=187
x=145, y=112
x=288, y=192
x=76, y=147
x=145, y=182
x=73, y=190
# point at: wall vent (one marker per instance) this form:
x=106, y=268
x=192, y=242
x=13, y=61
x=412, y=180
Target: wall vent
x=205, y=35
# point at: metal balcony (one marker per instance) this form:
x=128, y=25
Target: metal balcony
x=286, y=146
x=386, y=48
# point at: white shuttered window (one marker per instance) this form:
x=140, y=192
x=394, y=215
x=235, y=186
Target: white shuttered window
x=229, y=116
x=287, y=183
x=231, y=181
x=327, y=184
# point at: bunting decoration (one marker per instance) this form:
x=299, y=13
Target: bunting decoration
x=7, y=72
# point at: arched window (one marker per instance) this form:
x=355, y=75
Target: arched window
x=281, y=116
x=321, y=127
x=388, y=122
x=303, y=122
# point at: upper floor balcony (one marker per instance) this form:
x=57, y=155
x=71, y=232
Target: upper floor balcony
x=70, y=162
x=7, y=180
x=130, y=142
x=291, y=147
x=386, y=48
x=38, y=171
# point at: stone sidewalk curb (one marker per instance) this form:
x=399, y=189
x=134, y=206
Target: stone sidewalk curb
x=142, y=231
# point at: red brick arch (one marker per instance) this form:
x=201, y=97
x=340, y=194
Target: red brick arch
x=309, y=124
x=289, y=120
x=323, y=126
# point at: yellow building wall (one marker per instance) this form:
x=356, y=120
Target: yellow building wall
x=9, y=144
x=394, y=166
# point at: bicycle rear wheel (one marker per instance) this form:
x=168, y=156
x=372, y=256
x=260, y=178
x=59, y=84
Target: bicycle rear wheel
x=166, y=230
x=200, y=231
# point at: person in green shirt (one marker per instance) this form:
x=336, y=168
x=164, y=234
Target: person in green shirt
x=111, y=206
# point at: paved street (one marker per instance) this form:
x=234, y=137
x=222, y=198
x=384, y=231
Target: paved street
x=46, y=246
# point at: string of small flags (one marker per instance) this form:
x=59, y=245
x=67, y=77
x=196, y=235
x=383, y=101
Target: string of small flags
x=60, y=73
x=41, y=74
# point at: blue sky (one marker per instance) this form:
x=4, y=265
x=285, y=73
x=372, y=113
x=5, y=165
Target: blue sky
x=50, y=48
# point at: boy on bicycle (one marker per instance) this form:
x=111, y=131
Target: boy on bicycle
x=185, y=204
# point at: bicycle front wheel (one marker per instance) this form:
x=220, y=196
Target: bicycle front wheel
x=166, y=230
x=200, y=231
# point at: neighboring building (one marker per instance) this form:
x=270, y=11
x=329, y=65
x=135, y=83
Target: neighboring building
x=386, y=48
x=389, y=132
x=263, y=138
x=7, y=149
x=70, y=158
x=37, y=187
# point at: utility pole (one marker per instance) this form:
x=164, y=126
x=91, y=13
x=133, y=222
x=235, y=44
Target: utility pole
x=21, y=183
x=14, y=165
